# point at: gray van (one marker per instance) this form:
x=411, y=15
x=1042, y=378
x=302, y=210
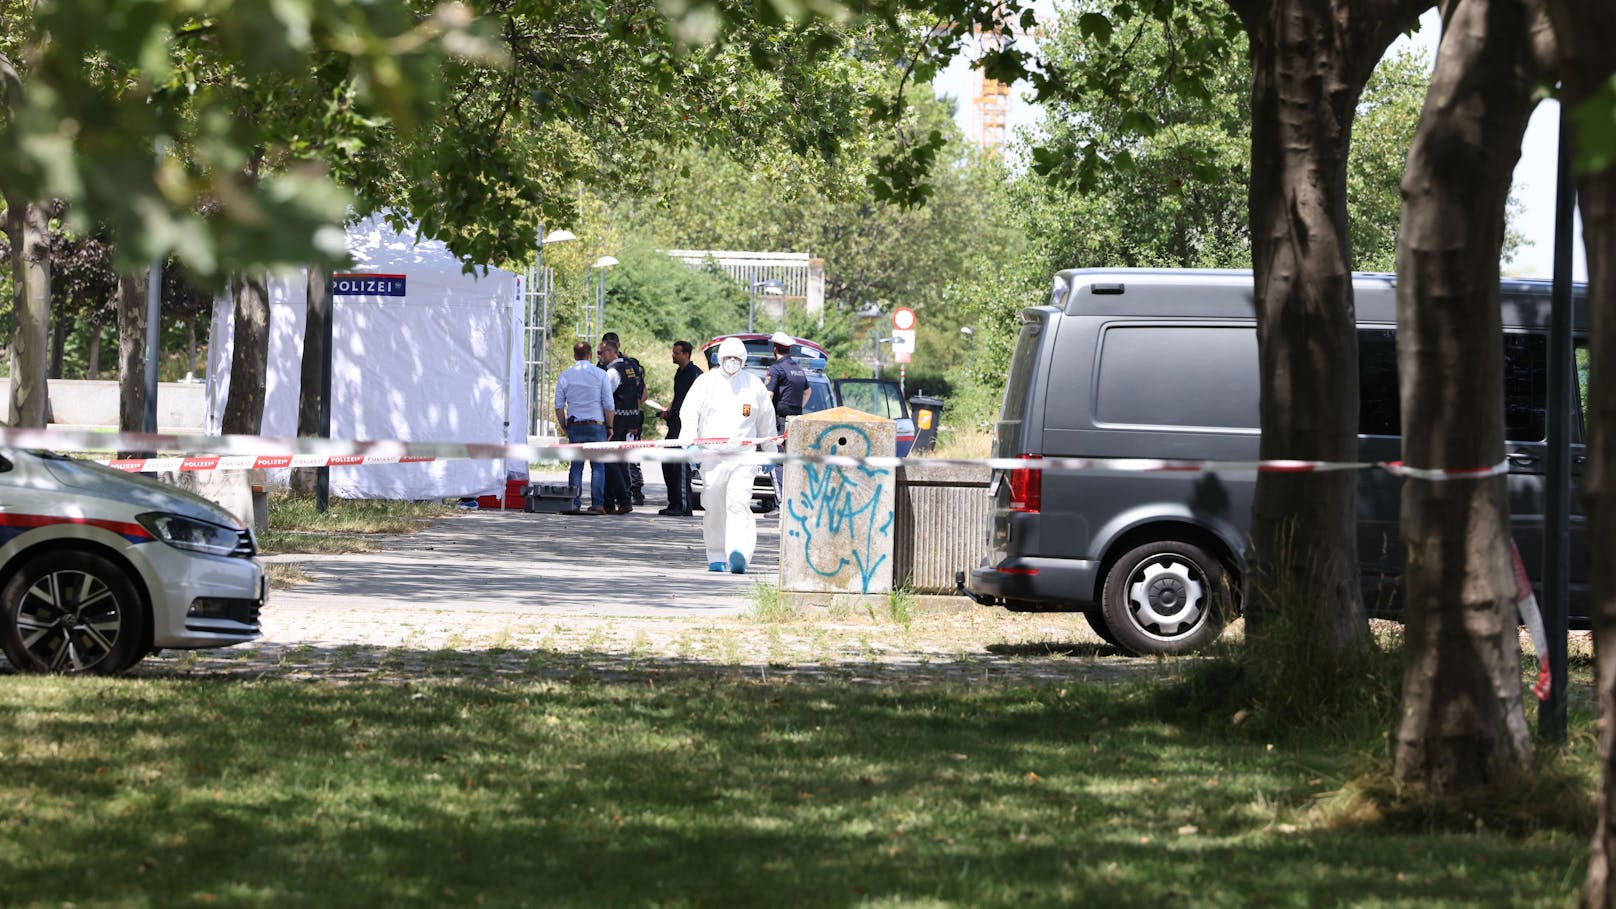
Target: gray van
x=1136, y=363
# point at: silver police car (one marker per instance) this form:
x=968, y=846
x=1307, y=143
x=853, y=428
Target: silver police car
x=99, y=568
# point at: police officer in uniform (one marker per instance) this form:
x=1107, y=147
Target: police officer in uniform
x=636, y=479
x=788, y=389
x=627, y=383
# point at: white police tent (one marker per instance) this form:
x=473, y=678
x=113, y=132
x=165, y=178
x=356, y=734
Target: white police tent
x=422, y=351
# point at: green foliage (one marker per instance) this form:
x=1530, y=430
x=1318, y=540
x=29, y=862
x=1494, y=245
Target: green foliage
x=653, y=300
x=934, y=259
x=296, y=525
x=1121, y=72
x=1155, y=145
x=1595, y=121
x=1382, y=131
x=899, y=607
x=106, y=90
x=653, y=295
x=658, y=300
x=1144, y=162
x=767, y=607
x=285, y=116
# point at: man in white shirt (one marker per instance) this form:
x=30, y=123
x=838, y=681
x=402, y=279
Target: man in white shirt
x=728, y=403
x=583, y=409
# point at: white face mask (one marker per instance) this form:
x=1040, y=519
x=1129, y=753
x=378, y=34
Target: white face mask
x=730, y=365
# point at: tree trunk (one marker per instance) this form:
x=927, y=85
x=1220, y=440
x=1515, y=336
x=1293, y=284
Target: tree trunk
x=190, y=347
x=244, y=404
x=131, y=352
x=1597, y=200
x=315, y=357
x=1310, y=61
x=58, y=345
x=92, y=366
x=249, y=356
x=30, y=275
x=1462, y=726
x=1585, y=32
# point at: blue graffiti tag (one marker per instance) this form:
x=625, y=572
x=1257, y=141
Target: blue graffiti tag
x=841, y=503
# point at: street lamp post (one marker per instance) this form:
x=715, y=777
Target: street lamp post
x=875, y=343
x=539, y=315
x=600, y=265
x=772, y=286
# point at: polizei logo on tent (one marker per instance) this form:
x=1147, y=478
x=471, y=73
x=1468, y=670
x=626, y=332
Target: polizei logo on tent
x=367, y=285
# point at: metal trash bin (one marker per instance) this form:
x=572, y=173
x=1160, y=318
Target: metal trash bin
x=546, y=498
x=927, y=412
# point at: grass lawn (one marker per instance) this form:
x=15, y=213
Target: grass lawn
x=715, y=789
x=348, y=525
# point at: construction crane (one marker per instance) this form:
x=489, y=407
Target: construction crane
x=992, y=108
x=992, y=100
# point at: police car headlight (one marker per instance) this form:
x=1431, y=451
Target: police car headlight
x=189, y=533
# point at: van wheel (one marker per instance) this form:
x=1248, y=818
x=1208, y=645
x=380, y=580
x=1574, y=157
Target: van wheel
x=72, y=612
x=1165, y=597
x=1096, y=617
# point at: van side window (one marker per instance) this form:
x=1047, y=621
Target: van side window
x=1526, y=377
x=1023, y=363
x=1526, y=388
x=1380, y=413
x=1582, y=383
x=1168, y=375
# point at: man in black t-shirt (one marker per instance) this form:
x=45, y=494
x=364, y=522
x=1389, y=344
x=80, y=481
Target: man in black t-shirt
x=677, y=474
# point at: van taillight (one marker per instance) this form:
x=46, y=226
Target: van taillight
x=1026, y=487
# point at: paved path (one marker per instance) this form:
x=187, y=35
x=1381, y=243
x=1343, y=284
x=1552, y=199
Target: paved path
x=501, y=596
x=492, y=562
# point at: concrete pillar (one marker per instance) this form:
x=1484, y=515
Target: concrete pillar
x=836, y=523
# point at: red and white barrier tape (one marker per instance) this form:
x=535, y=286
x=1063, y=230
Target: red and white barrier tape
x=241, y=452
x=1532, y=618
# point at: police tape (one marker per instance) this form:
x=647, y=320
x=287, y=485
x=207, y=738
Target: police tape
x=245, y=452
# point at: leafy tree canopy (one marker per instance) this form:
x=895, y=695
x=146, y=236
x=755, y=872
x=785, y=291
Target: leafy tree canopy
x=878, y=255
x=286, y=115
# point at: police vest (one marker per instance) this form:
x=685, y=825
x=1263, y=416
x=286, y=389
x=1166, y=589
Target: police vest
x=626, y=399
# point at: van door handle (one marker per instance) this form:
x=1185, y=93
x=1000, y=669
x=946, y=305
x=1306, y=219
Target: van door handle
x=1522, y=458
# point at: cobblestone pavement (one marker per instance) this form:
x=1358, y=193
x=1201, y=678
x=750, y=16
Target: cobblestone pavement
x=494, y=596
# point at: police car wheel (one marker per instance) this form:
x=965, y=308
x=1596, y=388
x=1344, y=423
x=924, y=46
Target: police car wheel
x=72, y=612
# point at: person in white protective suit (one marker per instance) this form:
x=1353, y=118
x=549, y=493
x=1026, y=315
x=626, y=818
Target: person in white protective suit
x=728, y=403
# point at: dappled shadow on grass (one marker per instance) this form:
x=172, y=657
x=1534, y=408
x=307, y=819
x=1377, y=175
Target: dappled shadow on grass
x=704, y=658
x=687, y=789
x=1052, y=648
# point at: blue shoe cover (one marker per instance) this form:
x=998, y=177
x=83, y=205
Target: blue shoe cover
x=715, y=566
x=737, y=563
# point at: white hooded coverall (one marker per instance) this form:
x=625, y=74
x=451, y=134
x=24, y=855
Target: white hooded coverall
x=727, y=407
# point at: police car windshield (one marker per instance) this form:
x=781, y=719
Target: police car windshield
x=759, y=352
